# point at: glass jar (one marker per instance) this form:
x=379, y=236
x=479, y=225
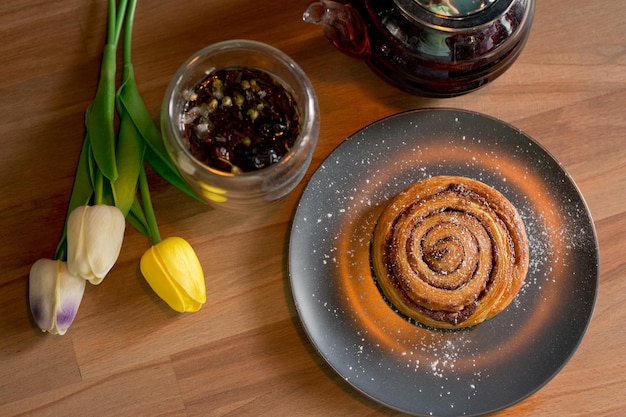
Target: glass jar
x=245, y=191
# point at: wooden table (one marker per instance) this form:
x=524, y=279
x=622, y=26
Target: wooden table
x=245, y=352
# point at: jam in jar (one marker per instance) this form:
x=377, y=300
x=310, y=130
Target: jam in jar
x=240, y=120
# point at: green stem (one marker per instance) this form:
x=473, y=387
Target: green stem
x=98, y=192
x=128, y=31
x=111, y=23
x=116, y=22
x=147, y=206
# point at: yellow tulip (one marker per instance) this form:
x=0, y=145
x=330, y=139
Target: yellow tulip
x=173, y=271
x=94, y=240
x=54, y=295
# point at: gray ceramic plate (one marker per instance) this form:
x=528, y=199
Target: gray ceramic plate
x=401, y=364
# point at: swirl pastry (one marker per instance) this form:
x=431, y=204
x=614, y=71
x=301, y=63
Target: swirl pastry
x=450, y=252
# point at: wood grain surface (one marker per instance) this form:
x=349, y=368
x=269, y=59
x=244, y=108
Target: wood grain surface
x=245, y=353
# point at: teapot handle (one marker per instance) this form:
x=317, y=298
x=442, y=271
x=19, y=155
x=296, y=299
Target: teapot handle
x=343, y=26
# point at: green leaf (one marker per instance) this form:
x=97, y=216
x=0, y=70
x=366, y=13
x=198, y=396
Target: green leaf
x=162, y=166
x=130, y=150
x=82, y=191
x=137, y=219
x=129, y=96
x=100, y=114
x=156, y=154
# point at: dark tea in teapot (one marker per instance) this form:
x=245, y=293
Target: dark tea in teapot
x=433, y=48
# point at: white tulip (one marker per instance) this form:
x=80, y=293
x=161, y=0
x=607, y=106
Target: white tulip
x=94, y=240
x=54, y=295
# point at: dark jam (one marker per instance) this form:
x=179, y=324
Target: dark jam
x=240, y=120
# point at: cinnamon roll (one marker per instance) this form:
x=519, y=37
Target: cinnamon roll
x=450, y=252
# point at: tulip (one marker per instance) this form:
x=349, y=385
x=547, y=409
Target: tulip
x=94, y=240
x=54, y=295
x=173, y=271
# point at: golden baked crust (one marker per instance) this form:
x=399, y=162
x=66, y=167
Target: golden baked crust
x=450, y=252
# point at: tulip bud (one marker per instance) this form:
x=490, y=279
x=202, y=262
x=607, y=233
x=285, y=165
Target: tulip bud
x=172, y=269
x=54, y=295
x=94, y=240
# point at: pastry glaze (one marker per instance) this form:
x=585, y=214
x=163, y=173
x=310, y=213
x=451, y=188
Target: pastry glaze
x=450, y=252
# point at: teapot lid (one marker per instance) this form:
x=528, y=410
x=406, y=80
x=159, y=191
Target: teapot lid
x=454, y=13
x=455, y=8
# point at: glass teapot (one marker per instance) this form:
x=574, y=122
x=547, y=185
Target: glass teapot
x=431, y=48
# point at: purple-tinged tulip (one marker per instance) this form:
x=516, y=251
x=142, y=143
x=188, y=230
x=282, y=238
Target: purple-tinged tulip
x=54, y=295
